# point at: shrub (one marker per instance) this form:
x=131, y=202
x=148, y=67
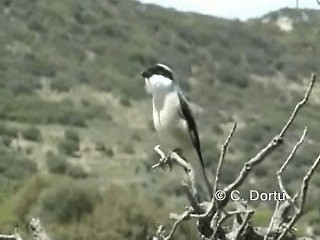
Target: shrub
x=6, y=140
x=32, y=133
x=124, y=101
x=72, y=135
x=56, y=163
x=69, y=202
x=128, y=148
x=61, y=85
x=15, y=168
x=70, y=143
x=132, y=217
x=76, y=172
x=28, y=195
x=71, y=117
x=8, y=131
x=231, y=74
x=68, y=147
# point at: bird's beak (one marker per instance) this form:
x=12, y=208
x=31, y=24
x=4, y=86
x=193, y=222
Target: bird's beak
x=145, y=74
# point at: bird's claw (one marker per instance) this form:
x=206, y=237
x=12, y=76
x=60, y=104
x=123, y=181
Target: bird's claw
x=165, y=161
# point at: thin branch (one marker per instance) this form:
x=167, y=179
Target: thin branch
x=185, y=215
x=244, y=224
x=38, y=230
x=192, y=200
x=271, y=146
x=298, y=106
x=302, y=200
x=164, y=160
x=188, y=168
x=270, y=227
x=14, y=236
x=285, y=164
x=221, y=159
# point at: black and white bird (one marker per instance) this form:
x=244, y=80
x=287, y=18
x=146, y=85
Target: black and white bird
x=173, y=119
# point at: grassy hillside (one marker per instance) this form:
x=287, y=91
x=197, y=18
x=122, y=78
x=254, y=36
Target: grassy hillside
x=75, y=119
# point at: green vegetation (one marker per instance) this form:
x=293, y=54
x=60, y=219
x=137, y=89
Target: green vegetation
x=70, y=86
x=56, y=163
x=70, y=202
x=70, y=144
x=32, y=133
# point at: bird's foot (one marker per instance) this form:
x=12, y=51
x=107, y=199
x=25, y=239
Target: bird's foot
x=164, y=160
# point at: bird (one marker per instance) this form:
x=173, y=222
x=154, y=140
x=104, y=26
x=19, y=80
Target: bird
x=173, y=119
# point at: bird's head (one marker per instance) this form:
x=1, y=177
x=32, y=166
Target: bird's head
x=158, y=78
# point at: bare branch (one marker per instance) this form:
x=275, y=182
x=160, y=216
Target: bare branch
x=298, y=106
x=271, y=146
x=179, y=218
x=38, y=231
x=187, y=167
x=211, y=216
x=14, y=236
x=222, y=155
x=285, y=164
x=244, y=224
x=303, y=191
x=192, y=200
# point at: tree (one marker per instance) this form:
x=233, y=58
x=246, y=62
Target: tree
x=211, y=216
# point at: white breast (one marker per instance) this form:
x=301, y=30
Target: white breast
x=171, y=128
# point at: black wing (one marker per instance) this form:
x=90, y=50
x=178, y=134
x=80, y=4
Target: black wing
x=187, y=115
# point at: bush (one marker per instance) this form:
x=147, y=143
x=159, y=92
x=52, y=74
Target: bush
x=32, y=133
x=69, y=202
x=72, y=135
x=231, y=74
x=132, y=217
x=15, y=168
x=68, y=147
x=76, y=172
x=70, y=143
x=124, y=101
x=5, y=140
x=8, y=131
x=99, y=146
x=56, y=163
x=128, y=148
x=28, y=196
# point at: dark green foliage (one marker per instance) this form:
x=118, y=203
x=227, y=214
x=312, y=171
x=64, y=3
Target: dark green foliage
x=32, y=133
x=128, y=148
x=14, y=167
x=68, y=147
x=231, y=74
x=69, y=202
x=7, y=134
x=125, y=102
x=56, y=163
x=76, y=172
x=70, y=144
x=5, y=130
x=72, y=135
x=132, y=217
x=28, y=195
x=100, y=146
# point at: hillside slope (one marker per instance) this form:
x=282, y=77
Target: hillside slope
x=74, y=113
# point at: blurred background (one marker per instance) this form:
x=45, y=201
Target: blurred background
x=76, y=133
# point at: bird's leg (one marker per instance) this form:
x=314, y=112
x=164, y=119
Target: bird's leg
x=164, y=159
